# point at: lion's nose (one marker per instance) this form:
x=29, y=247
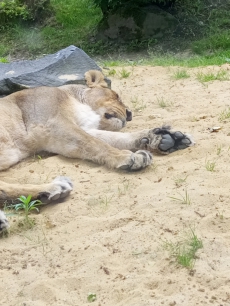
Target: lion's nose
x=128, y=115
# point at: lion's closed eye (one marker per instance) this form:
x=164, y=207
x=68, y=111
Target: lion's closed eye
x=108, y=116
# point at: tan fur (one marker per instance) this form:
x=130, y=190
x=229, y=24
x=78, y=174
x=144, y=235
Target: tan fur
x=75, y=121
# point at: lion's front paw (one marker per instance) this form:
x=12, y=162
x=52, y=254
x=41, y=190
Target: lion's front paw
x=59, y=188
x=4, y=224
x=166, y=141
x=138, y=160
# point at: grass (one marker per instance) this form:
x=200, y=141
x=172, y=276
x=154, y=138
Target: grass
x=162, y=103
x=217, y=41
x=194, y=119
x=100, y=203
x=154, y=167
x=137, y=105
x=225, y=114
x=69, y=25
x=184, y=251
x=91, y=297
x=180, y=74
x=221, y=75
x=168, y=59
x=220, y=215
x=123, y=188
x=75, y=23
x=124, y=74
x=3, y=60
x=180, y=181
x=219, y=149
x=210, y=165
x=183, y=199
x=112, y=72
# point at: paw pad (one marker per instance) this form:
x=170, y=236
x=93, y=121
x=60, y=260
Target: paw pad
x=172, y=141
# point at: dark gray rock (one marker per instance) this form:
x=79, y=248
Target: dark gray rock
x=67, y=66
x=155, y=24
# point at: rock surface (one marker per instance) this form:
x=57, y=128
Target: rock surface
x=155, y=23
x=67, y=66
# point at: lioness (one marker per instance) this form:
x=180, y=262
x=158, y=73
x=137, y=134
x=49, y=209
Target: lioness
x=76, y=121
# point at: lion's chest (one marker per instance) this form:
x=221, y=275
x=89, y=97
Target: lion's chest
x=86, y=117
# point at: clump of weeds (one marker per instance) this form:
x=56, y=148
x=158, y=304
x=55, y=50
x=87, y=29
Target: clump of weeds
x=180, y=74
x=183, y=198
x=184, y=251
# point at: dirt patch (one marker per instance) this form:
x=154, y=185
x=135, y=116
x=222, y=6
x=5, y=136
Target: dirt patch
x=107, y=237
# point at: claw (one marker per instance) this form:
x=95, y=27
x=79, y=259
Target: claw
x=145, y=140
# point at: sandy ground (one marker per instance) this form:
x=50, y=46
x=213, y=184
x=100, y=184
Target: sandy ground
x=108, y=237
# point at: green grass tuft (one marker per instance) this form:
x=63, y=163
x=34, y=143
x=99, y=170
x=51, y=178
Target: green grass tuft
x=221, y=75
x=183, y=199
x=3, y=60
x=225, y=114
x=180, y=74
x=184, y=251
x=210, y=165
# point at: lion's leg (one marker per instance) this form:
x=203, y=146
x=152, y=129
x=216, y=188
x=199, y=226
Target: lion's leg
x=68, y=139
x=60, y=187
x=161, y=139
x=10, y=156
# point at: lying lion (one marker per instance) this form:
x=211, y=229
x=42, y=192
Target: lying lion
x=78, y=122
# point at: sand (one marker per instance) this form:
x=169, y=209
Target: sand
x=108, y=238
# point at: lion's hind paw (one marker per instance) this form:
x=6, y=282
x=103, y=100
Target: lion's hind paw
x=172, y=141
x=4, y=224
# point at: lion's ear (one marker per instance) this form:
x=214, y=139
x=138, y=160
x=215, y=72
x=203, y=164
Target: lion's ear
x=95, y=79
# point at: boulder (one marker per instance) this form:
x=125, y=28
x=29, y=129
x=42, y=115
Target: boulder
x=67, y=66
x=154, y=23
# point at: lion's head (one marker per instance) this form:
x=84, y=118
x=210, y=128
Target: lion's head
x=106, y=102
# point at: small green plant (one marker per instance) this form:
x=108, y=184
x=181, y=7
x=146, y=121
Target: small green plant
x=181, y=74
x=220, y=215
x=184, y=251
x=225, y=114
x=104, y=201
x=112, y=72
x=124, y=74
x=219, y=150
x=210, y=165
x=91, y=297
x=194, y=119
x=26, y=205
x=37, y=158
x=183, y=199
x=154, y=167
x=161, y=102
x=123, y=189
x=3, y=60
x=137, y=105
x=221, y=75
x=101, y=202
x=180, y=181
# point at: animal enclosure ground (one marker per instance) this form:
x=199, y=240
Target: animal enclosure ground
x=108, y=237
